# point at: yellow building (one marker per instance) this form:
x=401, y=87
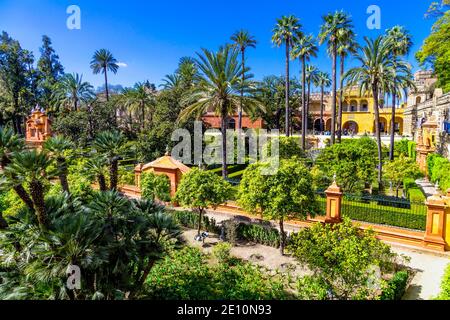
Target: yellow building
x=358, y=115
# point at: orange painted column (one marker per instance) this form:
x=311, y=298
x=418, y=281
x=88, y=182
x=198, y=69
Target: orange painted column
x=334, y=204
x=436, y=216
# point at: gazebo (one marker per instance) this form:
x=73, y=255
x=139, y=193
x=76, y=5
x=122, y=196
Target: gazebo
x=166, y=165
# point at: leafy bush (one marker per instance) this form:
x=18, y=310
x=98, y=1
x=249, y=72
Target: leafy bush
x=189, y=219
x=186, y=275
x=155, y=186
x=445, y=286
x=438, y=168
x=312, y=288
x=412, y=190
x=396, y=287
x=260, y=234
x=222, y=252
x=231, y=230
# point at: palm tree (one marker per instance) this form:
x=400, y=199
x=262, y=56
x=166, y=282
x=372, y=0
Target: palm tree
x=111, y=144
x=373, y=74
x=323, y=81
x=312, y=74
x=171, y=81
x=329, y=31
x=33, y=168
x=304, y=48
x=218, y=89
x=242, y=40
x=96, y=169
x=285, y=30
x=140, y=99
x=103, y=61
x=57, y=146
x=346, y=44
x=401, y=43
x=71, y=90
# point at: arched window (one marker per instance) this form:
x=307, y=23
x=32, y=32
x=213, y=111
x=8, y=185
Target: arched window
x=232, y=124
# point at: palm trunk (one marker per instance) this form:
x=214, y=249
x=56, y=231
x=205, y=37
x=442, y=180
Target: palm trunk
x=391, y=151
x=287, y=118
x=341, y=95
x=37, y=194
x=308, y=99
x=106, y=84
x=23, y=195
x=333, y=100
x=321, y=110
x=113, y=172
x=282, y=237
x=303, y=102
x=224, y=143
x=378, y=135
x=241, y=107
x=143, y=117
x=62, y=166
x=102, y=182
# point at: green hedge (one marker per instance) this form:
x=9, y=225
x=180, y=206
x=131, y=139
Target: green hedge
x=189, y=219
x=396, y=287
x=264, y=235
x=371, y=212
x=412, y=191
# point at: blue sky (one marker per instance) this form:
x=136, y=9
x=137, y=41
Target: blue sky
x=150, y=36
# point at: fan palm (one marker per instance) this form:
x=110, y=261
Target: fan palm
x=56, y=147
x=242, y=40
x=304, y=48
x=373, y=74
x=401, y=43
x=140, y=99
x=346, y=44
x=72, y=90
x=111, y=144
x=323, y=81
x=286, y=29
x=95, y=168
x=218, y=89
x=33, y=168
x=329, y=31
x=102, y=62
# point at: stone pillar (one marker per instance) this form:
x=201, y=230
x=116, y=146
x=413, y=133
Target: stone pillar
x=334, y=203
x=435, y=231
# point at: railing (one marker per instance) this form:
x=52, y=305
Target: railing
x=385, y=211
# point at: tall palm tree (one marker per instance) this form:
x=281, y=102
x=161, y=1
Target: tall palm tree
x=329, y=31
x=102, y=62
x=32, y=167
x=111, y=145
x=218, y=89
x=323, y=81
x=285, y=30
x=140, y=99
x=56, y=147
x=401, y=42
x=373, y=74
x=171, y=81
x=304, y=48
x=72, y=90
x=346, y=44
x=312, y=74
x=242, y=40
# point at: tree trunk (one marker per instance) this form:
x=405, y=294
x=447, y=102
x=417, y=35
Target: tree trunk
x=282, y=237
x=106, y=84
x=23, y=195
x=37, y=194
x=3, y=223
x=308, y=99
x=62, y=166
x=287, y=118
x=333, y=100
x=143, y=117
x=113, y=172
x=391, y=149
x=224, y=143
x=378, y=135
x=303, y=103
x=200, y=217
x=241, y=107
x=102, y=182
x=322, y=129
x=341, y=96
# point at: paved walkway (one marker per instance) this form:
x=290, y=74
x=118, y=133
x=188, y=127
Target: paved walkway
x=427, y=187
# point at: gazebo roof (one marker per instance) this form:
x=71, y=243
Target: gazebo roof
x=166, y=162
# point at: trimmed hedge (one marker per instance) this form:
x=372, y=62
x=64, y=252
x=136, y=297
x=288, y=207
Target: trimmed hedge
x=264, y=235
x=396, y=287
x=189, y=219
x=412, y=191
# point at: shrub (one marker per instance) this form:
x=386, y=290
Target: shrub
x=189, y=219
x=260, y=234
x=445, y=286
x=396, y=287
x=222, y=252
x=231, y=230
x=155, y=186
x=312, y=288
x=438, y=168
